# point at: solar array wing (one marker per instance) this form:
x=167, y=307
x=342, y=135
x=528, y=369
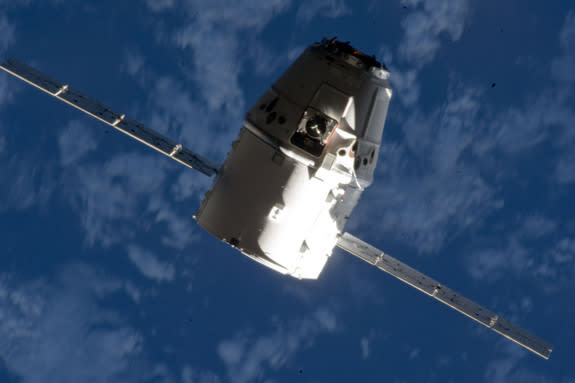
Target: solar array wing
x=119, y=121
x=443, y=294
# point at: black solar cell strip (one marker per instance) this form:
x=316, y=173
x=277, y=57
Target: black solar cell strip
x=31, y=75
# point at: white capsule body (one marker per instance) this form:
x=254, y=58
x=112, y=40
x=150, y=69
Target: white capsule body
x=307, y=150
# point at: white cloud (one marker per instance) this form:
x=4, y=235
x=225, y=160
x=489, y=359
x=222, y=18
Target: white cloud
x=249, y=359
x=295, y=52
x=264, y=61
x=556, y=266
x=326, y=319
x=31, y=181
x=493, y=264
x=6, y=33
x=181, y=232
x=522, y=256
x=535, y=226
x=517, y=129
x=215, y=56
x=437, y=182
x=526, y=304
x=310, y=10
x=429, y=189
x=6, y=39
x=565, y=171
x=26, y=181
x=563, y=113
x=27, y=178
x=562, y=66
x=249, y=14
x=190, y=375
x=405, y=86
x=546, y=114
x=149, y=265
x=132, y=291
x=107, y=203
x=111, y=196
x=211, y=132
x=214, y=40
x=120, y=198
x=5, y=89
x=160, y=5
x=133, y=63
x=60, y=333
x=75, y=141
x=364, y=344
x=414, y=353
x=422, y=28
x=189, y=184
x=142, y=173
x=514, y=367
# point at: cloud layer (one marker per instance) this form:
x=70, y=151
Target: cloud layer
x=423, y=28
x=252, y=358
x=60, y=333
x=149, y=265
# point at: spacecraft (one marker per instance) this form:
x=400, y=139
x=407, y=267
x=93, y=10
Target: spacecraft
x=304, y=155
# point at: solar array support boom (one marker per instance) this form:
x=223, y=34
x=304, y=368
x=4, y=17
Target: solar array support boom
x=443, y=294
x=116, y=120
